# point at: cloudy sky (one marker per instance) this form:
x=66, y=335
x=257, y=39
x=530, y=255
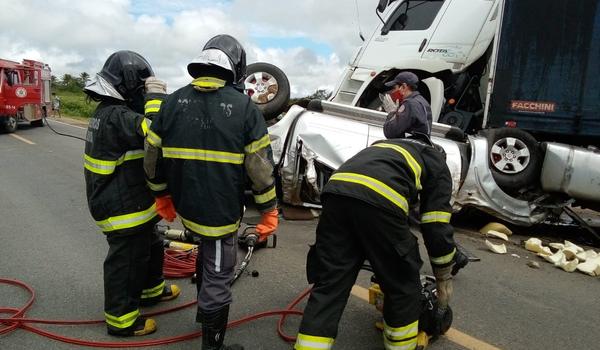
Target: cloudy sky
x=310, y=40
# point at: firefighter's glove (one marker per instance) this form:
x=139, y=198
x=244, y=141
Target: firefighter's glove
x=165, y=208
x=443, y=279
x=388, y=104
x=268, y=223
x=155, y=86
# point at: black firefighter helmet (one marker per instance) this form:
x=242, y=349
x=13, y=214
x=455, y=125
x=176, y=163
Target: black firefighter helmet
x=223, y=51
x=122, y=77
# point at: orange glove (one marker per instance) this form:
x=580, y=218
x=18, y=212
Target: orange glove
x=165, y=208
x=268, y=223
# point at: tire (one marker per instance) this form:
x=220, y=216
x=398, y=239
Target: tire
x=10, y=124
x=268, y=87
x=515, y=159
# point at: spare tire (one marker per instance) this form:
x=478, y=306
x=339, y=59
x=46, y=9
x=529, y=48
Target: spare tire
x=268, y=87
x=515, y=159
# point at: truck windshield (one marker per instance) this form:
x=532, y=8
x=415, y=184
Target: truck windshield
x=413, y=15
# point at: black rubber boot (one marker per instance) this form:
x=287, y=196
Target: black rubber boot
x=214, y=325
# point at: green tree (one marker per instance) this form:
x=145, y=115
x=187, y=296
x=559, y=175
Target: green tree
x=84, y=78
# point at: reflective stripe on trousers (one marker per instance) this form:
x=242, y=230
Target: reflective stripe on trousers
x=310, y=342
x=122, y=321
x=154, y=291
x=400, y=338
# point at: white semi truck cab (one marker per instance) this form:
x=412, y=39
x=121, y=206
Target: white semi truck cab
x=521, y=73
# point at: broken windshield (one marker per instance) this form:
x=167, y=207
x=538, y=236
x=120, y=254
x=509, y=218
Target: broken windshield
x=413, y=15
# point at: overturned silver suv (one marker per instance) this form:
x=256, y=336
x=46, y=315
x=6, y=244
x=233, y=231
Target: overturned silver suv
x=309, y=144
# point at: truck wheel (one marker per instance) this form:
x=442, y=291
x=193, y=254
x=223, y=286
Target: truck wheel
x=38, y=123
x=515, y=159
x=268, y=87
x=10, y=125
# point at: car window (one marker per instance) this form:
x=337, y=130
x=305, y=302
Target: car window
x=413, y=15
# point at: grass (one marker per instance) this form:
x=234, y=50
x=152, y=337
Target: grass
x=74, y=104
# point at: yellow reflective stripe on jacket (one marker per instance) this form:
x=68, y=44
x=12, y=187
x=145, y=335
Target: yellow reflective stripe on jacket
x=156, y=187
x=122, y=321
x=265, y=197
x=210, y=231
x=401, y=333
x=128, y=220
x=203, y=154
x=107, y=167
x=311, y=342
x=146, y=126
x=152, y=106
x=208, y=82
x=435, y=216
x=257, y=145
x=154, y=139
x=375, y=185
x=153, y=292
x=443, y=259
x=410, y=160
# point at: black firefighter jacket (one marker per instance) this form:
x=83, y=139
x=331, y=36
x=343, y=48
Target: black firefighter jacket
x=118, y=198
x=207, y=142
x=394, y=175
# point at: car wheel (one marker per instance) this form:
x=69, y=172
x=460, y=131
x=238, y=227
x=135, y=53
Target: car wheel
x=10, y=125
x=268, y=87
x=515, y=159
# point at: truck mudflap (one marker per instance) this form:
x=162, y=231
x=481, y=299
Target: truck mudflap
x=481, y=191
x=571, y=170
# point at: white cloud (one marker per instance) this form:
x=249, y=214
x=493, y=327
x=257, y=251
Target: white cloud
x=77, y=36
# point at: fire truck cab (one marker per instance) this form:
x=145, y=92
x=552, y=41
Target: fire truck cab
x=24, y=93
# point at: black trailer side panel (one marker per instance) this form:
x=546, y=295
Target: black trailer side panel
x=548, y=69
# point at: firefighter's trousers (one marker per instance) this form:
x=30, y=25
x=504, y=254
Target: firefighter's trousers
x=350, y=231
x=215, y=267
x=133, y=271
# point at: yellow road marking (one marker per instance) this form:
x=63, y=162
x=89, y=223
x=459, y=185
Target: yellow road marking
x=453, y=334
x=22, y=139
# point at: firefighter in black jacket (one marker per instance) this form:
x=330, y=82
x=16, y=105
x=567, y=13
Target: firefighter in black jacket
x=365, y=216
x=118, y=198
x=207, y=137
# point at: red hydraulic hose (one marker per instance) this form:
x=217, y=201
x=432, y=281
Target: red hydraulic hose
x=176, y=265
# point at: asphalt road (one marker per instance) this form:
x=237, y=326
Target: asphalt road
x=49, y=241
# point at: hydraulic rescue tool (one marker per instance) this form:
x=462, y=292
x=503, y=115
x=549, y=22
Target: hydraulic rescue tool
x=248, y=238
x=431, y=323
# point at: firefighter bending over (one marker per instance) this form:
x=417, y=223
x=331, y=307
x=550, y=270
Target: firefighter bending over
x=118, y=198
x=206, y=138
x=365, y=216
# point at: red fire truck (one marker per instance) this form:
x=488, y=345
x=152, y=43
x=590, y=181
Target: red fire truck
x=24, y=93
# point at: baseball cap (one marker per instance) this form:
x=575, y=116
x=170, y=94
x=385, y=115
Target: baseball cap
x=407, y=78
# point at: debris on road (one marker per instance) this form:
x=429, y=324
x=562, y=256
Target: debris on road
x=533, y=264
x=496, y=248
x=516, y=256
x=567, y=256
x=497, y=227
x=535, y=245
x=497, y=234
